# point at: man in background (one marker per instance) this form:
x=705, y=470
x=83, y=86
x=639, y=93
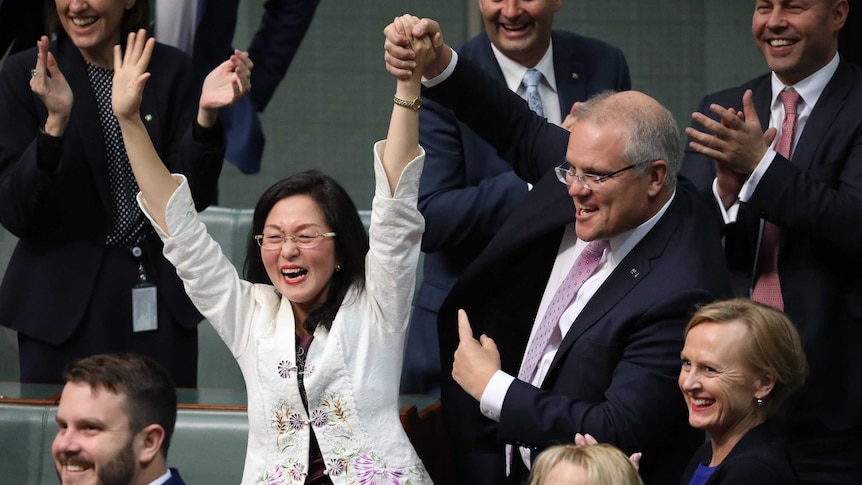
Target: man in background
x=790, y=203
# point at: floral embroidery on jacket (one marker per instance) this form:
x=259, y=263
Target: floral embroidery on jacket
x=336, y=408
x=285, y=367
x=285, y=474
x=285, y=421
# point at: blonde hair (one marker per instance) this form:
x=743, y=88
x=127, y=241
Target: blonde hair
x=604, y=464
x=772, y=346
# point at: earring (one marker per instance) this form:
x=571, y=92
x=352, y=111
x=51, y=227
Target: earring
x=337, y=268
x=759, y=402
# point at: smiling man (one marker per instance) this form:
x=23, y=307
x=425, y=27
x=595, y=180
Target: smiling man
x=552, y=361
x=116, y=417
x=790, y=204
x=467, y=190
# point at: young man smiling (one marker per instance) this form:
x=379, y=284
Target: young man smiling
x=116, y=418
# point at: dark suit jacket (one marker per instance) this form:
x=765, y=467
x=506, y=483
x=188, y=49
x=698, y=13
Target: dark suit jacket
x=467, y=190
x=816, y=200
x=282, y=28
x=22, y=22
x=759, y=457
x=62, y=216
x=175, y=478
x=614, y=375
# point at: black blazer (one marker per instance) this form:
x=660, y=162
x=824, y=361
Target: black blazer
x=759, y=457
x=62, y=216
x=816, y=200
x=615, y=373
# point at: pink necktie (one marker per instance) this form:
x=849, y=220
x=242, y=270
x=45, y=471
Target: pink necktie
x=767, y=288
x=583, y=268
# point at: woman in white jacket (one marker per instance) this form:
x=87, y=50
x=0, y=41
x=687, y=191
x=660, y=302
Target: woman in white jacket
x=318, y=327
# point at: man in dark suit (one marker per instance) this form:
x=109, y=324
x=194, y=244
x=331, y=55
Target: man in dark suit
x=467, y=190
x=116, y=417
x=610, y=365
x=282, y=27
x=812, y=194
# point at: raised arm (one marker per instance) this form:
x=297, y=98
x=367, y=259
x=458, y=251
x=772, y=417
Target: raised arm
x=402, y=140
x=226, y=84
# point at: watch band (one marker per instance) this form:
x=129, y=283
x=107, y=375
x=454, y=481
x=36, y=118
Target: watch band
x=413, y=104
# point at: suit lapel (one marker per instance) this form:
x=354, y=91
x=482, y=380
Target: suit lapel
x=830, y=103
x=569, y=74
x=630, y=272
x=762, y=98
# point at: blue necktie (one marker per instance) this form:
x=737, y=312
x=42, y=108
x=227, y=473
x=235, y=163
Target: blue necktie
x=531, y=81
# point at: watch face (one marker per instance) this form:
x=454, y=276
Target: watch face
x=417, y=103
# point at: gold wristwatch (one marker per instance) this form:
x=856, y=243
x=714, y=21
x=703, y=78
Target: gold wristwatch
x=413, y=104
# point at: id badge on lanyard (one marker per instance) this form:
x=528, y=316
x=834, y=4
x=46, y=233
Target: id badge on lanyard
x=144, y=310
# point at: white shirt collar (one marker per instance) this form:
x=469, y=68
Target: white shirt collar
x=622, y=244
x=810, y=88
x=162, y=479
x=514, y=72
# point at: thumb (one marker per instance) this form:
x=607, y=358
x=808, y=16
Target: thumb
x=487, y=342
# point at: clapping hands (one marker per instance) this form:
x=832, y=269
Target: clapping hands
x=47, y=82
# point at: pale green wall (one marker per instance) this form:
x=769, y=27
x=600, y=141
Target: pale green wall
x=335, y=101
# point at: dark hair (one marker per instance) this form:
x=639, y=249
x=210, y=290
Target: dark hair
x=137, y=17
x=351, y=243
x=151, y=397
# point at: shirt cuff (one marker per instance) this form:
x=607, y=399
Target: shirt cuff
x=495, y=392
x=729, y=214
x=750, y=185
x=430, y=83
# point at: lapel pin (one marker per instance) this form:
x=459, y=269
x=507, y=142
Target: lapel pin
x=634, y=273
x=575, y=75
x=148, y=117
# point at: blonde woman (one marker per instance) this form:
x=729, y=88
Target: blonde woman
x=598, y=464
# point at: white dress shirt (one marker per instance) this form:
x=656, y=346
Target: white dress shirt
x=571, y=247
x=514, y=74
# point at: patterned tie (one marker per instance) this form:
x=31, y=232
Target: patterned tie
x=583, y=268
x=534, y=99
x=767, y=288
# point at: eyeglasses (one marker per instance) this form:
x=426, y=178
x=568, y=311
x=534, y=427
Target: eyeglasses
x=275, y=241
x=591, y=181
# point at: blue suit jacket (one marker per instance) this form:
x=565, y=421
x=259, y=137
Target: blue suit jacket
x=614, y=375
x=272, y=49
x=816, y=199
x=175, y=478
x=467, y=190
